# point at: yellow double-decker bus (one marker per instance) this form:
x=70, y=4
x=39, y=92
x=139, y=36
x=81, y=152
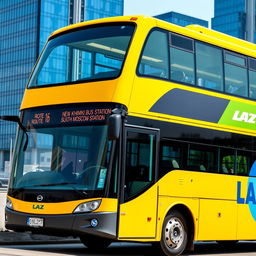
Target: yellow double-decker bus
x=135, y=129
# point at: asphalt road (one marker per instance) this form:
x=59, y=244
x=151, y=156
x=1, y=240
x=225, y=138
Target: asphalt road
x=122, y=249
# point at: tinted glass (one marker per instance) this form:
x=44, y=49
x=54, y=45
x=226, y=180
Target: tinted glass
x=209, y=67
x=235, y=59
x=202, y=158
x=227, y=161
x=244, y=162
x=252, y=84
x=140, y=151
x=181, y=42
x=252, y=63
x=170, y=157
x=90, y=54
x=63, y=149
x=182, y=66
x=236, y=80
x=154, y=59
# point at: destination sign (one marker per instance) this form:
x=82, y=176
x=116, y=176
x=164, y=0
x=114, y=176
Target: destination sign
x=66, y=116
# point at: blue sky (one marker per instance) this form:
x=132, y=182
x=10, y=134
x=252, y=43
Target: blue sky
x=202, y=9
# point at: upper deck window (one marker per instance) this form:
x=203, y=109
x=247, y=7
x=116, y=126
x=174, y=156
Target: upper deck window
x=252, y=78
x=182, y=59
x=154, y=59
x=94, y=53
x=209, y=66
x=236, y=81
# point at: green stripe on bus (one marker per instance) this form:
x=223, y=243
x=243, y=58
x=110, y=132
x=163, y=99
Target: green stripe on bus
x=240, y=115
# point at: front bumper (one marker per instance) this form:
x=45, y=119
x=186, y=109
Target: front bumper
x=66, y=224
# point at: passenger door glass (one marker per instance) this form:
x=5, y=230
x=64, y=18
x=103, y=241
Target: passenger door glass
x=139, y=162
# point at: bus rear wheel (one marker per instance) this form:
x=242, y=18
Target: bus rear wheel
x=174, y=234
x=95, y=243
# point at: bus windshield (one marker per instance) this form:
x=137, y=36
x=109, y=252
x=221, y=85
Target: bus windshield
x=63, y=157
x=93, y=53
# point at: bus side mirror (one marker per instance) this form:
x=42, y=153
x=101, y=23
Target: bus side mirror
x=114, y=126
x=15, y=119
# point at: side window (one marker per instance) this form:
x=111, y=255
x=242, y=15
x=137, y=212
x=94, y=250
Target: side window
x=182, y=59
x=244, y=162
x=227, y=161
x=202, y=158
x=209, y=67
x=170, y=158
x=140, y=162
x=252, y=78
x=154, y=59
x=236, y=75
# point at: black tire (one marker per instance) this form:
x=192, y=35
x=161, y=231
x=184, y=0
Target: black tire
x=95, y=243
x=174, y=234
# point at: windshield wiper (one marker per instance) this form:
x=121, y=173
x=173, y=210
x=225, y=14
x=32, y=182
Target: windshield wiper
x=55, y=184
x=62, y=184
x=21, y=189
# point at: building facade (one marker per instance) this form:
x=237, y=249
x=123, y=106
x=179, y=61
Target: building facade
x=181, y=19
x=235, y=18
x=24, y=28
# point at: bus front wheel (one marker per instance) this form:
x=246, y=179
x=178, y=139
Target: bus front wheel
x=174, y=234
x=95, y=243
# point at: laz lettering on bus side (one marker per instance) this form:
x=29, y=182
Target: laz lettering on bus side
x=250, y=195
x=38, y=206
x=244, y=117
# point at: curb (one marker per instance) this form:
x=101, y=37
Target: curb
x=15, y=238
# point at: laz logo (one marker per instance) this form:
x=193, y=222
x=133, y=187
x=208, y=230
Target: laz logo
x=38, y=206
x=244, y=117
x=250, y=195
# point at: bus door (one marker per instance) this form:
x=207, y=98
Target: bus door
x=138, y=207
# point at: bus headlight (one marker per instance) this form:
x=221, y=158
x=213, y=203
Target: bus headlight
x=9, y=203
x=88, y=206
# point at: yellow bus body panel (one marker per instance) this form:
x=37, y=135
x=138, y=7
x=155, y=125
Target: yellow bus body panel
x=138, y=217
x=215, y=211
x=107, y=205
x=76, y=93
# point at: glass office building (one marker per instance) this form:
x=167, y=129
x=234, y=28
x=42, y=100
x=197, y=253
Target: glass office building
x=230, y=17
x=24, y=28
x=235, y=18
x=181, y=19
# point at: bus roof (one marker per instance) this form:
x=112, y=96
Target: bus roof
x=219, y=35
x=99, y=21
x=193, y=31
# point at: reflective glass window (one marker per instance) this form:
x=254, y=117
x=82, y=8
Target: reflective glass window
x=252, y=78
x=104, y=46
x=154, y=59
x=209, y=67
x=182, y=66
x=236, y=80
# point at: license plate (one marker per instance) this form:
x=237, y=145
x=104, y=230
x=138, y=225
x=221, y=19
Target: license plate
x=35, y=222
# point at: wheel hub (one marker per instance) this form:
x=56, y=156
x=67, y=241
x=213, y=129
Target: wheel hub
x=174, y=233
